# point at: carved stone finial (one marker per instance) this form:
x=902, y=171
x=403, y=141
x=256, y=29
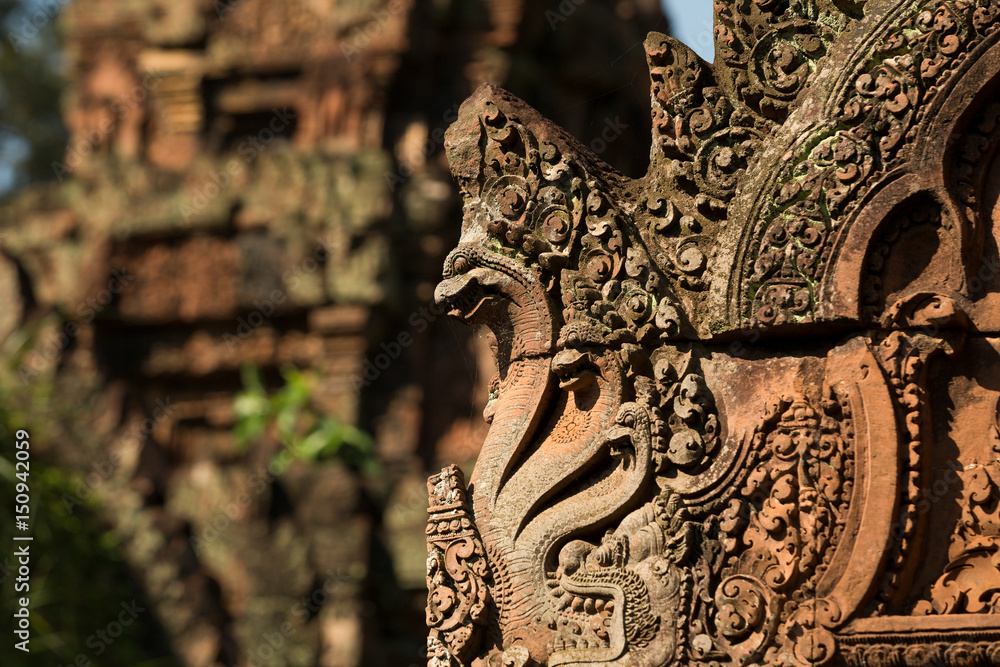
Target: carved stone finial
x=457, y=574
x=745, y=406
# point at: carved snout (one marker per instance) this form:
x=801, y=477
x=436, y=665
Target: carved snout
x=574, y=369
x=463, y=295
x=450, y=294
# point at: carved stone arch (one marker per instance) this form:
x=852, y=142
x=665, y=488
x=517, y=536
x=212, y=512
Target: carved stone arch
x=902, y=242
x=854, y=129
x=953, y=155
x=727, y=389
x=852, y=576
x=964, y=122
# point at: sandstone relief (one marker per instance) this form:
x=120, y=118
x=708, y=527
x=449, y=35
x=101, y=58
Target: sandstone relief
x=261, y=183
x=745, y=410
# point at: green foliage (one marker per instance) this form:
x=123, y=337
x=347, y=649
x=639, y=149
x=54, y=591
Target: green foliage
x=290, y=416
x=79, y=579
x=32, y=135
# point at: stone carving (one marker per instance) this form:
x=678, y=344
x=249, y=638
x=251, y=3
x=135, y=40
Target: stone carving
x=778, y=529
x=727, y=392
x=457, y=574
x=971, y=580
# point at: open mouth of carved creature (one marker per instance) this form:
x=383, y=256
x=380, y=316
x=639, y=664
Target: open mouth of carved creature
x=574, y=369
x=469, y=296
x=477, y=297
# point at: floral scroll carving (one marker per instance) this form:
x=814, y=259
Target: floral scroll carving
x=875, y=115
x=970, y=582
x=779, y=529
x=725, y=392
x=457, y=573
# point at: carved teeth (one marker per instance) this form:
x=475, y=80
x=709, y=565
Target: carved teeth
x=571, y=366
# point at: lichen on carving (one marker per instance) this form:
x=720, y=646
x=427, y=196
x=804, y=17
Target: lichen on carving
x=719, y=387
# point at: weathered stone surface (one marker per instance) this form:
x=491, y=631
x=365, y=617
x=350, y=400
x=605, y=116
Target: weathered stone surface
x=220, y=151
x=746, y=405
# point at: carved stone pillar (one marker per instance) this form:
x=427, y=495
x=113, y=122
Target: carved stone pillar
x=746, y=406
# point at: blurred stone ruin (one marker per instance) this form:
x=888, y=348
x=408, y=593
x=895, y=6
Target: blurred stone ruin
x=746, y=404
x=252, y=182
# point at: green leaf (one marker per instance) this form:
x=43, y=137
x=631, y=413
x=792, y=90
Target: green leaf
x=309, y=435
x=250, y=375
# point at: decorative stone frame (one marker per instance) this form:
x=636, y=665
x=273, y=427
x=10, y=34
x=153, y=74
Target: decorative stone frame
x=746, y=406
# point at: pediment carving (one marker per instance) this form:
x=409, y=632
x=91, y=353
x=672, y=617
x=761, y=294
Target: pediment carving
x=745, y=409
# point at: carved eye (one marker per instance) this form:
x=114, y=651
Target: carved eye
x=460, y=265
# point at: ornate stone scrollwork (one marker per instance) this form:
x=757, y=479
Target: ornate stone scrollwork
x=458, y=576
x=780, y=527
x=872, y=117
x=727, y=392
x=970, y=582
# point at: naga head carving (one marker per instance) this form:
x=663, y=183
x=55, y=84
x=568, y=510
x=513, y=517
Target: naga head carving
x=614, y=517
x=552, y=261
x=543, y=211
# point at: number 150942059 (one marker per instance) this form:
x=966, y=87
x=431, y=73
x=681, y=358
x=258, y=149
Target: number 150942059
x=22, y=470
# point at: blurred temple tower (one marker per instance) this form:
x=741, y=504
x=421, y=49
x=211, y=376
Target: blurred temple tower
x=258, y=182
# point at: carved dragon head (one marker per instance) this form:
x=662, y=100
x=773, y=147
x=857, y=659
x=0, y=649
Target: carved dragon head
x=608, y=459
x=552, y=262
x=544, y=233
